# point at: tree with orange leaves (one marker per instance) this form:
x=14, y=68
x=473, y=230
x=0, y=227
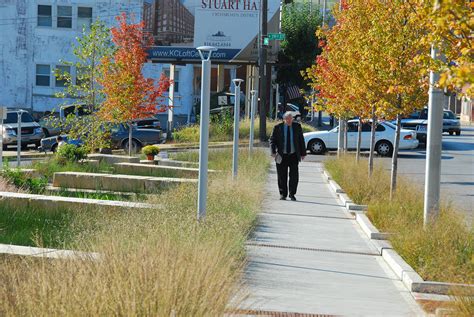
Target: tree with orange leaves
x=128, y=94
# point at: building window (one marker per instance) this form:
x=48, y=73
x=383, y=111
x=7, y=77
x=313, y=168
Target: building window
x=43, y=73
x=84, y=17
x=45, y=16
x=62, y=70
x=65, y=17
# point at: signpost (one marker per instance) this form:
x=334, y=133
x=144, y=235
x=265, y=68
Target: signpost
x=276, y=36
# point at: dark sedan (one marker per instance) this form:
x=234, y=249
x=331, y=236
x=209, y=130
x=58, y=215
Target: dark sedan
x=119, y=133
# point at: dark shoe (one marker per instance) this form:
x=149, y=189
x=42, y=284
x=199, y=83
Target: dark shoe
x=292, y=197
x=282, y=197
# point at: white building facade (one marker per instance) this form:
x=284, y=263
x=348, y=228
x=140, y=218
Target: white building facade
x=38, y=34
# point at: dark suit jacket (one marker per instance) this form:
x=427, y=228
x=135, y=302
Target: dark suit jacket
x=277, y=142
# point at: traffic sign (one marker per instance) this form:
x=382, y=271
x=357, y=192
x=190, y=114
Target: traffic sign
x=276, y=36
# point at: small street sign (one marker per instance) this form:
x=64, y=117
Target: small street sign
x=276, y=36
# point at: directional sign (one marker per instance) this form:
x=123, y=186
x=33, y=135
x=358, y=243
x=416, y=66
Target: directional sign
x=276, y=36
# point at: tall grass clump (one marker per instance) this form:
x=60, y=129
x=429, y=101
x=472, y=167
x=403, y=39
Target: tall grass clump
x=221, y=129
x=445, y=252
x=158, y=262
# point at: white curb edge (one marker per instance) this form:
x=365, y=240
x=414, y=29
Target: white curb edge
x=409, y=277
x=20, y=250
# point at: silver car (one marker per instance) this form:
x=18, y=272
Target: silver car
x=31, y=131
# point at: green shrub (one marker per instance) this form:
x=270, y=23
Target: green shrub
x=70, y=153
x=21, y=180
x=151, y=150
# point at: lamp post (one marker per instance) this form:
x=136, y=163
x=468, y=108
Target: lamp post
x=252, y=118
x=436, y=101
x=235, y=156
x=205, y=53
x=3, y=113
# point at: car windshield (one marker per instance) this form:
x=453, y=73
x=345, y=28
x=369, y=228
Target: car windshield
x=12, y=117
x=391, y=125
x=448, y=115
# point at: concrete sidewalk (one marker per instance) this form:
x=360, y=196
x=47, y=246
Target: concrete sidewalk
x=310, y=257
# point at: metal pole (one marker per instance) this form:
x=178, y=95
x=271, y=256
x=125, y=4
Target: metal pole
x=204, y=129
x=277, y=101
x=171, y=103
x=18, y=139
x=436, y=102
x=252, y=118
x=262, y=69
x=235, y=156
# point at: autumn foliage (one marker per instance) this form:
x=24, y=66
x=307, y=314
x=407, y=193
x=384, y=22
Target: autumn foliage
x=129, y=95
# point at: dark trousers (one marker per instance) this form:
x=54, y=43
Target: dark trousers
x=288, y=162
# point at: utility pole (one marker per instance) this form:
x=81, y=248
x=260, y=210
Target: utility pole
x=262, y=70
x=436, y=102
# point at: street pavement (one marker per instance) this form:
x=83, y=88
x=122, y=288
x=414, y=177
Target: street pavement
x=457, y=169
x=310, y=257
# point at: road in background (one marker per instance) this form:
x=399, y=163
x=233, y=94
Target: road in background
x=457, y=169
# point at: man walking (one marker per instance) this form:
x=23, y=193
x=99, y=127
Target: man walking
x=288, y=148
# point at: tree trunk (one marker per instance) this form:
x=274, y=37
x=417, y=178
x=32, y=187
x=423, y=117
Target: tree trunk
x=372, y=143
x=393, y=176
x=130, y=126
x=359, y=139
x=345, y=136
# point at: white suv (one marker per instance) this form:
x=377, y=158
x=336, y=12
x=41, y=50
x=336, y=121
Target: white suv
x=31, y=131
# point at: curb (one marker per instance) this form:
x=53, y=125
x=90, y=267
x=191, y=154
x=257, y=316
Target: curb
x=369, y=229
x=19, y=250
x=409, y=277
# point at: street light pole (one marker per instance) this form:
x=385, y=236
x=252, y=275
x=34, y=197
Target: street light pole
x=205, y=52
x=235, y=156
x=436, y=101
x=262, y=70
x=252, y=118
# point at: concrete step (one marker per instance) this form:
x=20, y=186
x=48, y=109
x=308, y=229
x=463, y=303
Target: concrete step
x=146, y=169
x=44, y=202
x=112, y=159
x=116, y=182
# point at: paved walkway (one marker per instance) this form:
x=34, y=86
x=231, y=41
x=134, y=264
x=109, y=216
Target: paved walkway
x=310, y=257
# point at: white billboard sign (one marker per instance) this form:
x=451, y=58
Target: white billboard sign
x=232, y=26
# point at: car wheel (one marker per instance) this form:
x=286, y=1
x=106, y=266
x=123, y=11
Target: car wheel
x=54, y=148
x=5, y=147
x=136, y=146
x=316, y=146
x=384, y=148
x=451, y=132
x=458, y=133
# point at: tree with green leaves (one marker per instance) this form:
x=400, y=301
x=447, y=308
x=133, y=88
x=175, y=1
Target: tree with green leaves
x=94, y=44
x=299, y=49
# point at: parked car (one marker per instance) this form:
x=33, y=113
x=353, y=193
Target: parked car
x=321, y=141
x=119, y=135
x=54, y=123
x=295, y=110
x=31, y=132
x=418, y=121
